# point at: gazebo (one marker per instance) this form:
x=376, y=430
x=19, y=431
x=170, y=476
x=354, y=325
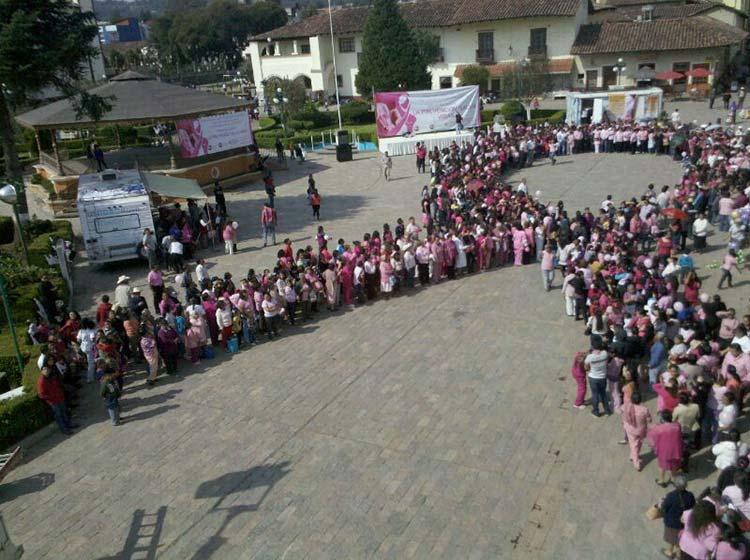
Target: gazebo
x=136, y=100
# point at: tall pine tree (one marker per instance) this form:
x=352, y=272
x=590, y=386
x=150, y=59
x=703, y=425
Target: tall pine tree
x=391, y=57
x=43, y=43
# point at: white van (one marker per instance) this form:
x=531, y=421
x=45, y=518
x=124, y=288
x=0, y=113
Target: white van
x=114, y=208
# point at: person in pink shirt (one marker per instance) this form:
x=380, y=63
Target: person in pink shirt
x=548, y=266
x=666, y=441
x=228, y=234
x=520, y=244
x=578, y=373
x=635, y=421
x=701, y=534
x=730, y=545
x=730, y=262
x=741, y=361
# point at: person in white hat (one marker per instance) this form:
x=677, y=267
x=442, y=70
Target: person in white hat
x=123, y=291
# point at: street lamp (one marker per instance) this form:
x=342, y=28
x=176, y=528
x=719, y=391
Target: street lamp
x=521, y=64
x=280, y=100
x=8, y=195
x=335, y=70
x=619, y=68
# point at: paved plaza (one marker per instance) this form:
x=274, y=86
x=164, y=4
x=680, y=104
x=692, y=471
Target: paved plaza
x=437, y=425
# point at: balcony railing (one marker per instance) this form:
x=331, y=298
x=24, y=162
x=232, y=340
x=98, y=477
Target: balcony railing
x=485, y=56
x=537, y=51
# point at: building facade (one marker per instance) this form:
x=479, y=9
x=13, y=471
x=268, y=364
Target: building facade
x=578, y=41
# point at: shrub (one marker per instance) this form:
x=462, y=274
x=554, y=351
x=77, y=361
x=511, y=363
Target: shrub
x=487, y=115
x=300, y=125
x=552, y=118
x=22, y=416
x=511, y=108
x=7, y=230
x=475, y=75
x=357, y=112
x=9, y=365
x=35, y=227
x=318, y=119
x=543, y=113
x=39, y=246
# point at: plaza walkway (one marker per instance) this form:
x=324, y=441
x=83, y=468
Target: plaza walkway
x=436, y=425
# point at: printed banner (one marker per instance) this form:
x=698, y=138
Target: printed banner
x=217, y=133
x=416, y=112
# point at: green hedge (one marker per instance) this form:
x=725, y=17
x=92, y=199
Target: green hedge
x=7, y=230
x=9, y=365
x=552, y=117
x=39, y=245
x=488, y=115
x=357, y=112
x=511, y=108
x=314, y=119
x=21, y=417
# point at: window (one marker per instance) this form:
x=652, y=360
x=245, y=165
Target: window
x=446, y=82
x=339, y=80
x=359, y=59
x=680, y=67
x=486, y=42
x=346, y=44
x=304, y=48
x=538, y=41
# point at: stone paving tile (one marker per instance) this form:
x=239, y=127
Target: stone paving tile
x=437, y=425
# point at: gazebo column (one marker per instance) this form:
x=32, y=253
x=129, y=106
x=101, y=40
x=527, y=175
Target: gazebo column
x=56, y=151
x=170, y=147
x=38, y=144
x=117, y=137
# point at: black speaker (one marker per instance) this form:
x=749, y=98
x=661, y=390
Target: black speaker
x=343, y=152
x=342, y=137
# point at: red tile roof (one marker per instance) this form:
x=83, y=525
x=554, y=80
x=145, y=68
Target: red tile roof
x=698, y=32
x=425, y=13
x=555, y=66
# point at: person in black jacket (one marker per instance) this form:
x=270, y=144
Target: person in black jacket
x=672, y=507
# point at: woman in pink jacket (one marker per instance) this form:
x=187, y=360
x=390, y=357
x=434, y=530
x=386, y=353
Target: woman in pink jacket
x=520, y=244
x=579, y=374
x=635, y=421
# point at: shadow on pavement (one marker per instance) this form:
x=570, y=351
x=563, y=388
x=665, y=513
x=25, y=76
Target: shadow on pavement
x=143, y=538
x=29, y=485
x=262, y=476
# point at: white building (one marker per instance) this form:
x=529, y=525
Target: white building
x=579, y=41
x=470, y=31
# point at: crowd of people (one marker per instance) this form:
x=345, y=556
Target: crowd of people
x=626, y=271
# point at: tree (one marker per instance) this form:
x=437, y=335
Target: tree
x=184, y=38
x=308, y=11
x=391, y=59
x=116, y=60
x=475, y=75
x=43, y=43
x=428, y=45
x=294, y=92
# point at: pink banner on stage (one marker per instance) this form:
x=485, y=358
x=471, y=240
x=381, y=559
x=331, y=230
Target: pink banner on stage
x=414, y=112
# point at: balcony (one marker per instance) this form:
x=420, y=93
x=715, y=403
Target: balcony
x=485, y=56
x=537, y=51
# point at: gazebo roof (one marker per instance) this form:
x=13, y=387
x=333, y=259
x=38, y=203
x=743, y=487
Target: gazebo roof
x=137, y=99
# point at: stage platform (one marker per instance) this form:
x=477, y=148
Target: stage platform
x=401, y=146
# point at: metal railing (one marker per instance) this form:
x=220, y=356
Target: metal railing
x=485, y=56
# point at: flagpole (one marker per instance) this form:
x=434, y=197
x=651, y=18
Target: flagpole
x=335, y=71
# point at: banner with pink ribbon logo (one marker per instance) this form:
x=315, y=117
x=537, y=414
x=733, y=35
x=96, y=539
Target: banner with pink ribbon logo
x=417, y=112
